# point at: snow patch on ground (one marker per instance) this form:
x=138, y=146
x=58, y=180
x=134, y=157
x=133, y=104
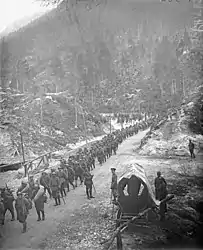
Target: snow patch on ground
x=170, y=140
x=13, y=178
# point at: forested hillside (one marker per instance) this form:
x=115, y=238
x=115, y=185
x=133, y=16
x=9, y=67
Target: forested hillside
x=91, y=57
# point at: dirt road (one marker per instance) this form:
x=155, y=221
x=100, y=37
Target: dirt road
x=37, y=231
x=81, y=223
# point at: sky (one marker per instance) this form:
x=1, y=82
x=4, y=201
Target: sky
x=12, y=11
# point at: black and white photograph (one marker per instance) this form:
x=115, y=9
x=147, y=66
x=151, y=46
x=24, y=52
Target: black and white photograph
x=101, y=124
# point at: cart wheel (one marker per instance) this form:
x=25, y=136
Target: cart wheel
x=118, y=217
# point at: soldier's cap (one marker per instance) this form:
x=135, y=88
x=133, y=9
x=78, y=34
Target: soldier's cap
x=114, y=169
x=53, y=172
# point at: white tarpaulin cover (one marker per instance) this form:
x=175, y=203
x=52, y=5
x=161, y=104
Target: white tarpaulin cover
x=135, y=169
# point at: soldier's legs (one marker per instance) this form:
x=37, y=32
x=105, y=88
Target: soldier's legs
x=81, y=179
x=59, y=200
x=64, y=191
x=114, y=194
x=76, y=181
x=191, y=153
x=61, y=191
x=67, y=185
x=38, y=214
x=56, y=201
x=24, y=227
x=70, y=181
x=11, y=209
x=90, y=192
x=48, y=190
x=43, y=215
x=87, y=192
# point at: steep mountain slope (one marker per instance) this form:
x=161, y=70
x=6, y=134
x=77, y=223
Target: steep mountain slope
x=66, y=60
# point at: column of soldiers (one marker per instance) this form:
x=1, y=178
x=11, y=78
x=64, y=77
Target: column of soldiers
x=57, y=183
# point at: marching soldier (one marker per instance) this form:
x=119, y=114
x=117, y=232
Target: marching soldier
x=55, y=188
x=44, y=181
x=8, y=200
x=114, y=184
x=39, y=199
x=88, y=183
x=62, y=178
x=22, y=206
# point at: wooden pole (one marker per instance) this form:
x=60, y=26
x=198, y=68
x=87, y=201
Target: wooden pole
x=23, y=153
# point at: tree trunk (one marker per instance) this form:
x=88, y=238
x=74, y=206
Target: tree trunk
x=76, y=114
x=183, y=86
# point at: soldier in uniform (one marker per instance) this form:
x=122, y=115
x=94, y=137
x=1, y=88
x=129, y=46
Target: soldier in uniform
x=161, y=193
x=55, y=187
x=88, y=183
x=8, y=200
x=62, y=178
x=22, y=206
x=44, y=181
x=79, y=172
x=71, y=175
x=39, y=200
x=160, y=187
x=114, y=184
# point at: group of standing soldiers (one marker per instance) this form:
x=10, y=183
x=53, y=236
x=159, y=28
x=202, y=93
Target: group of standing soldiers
x=57, y=182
